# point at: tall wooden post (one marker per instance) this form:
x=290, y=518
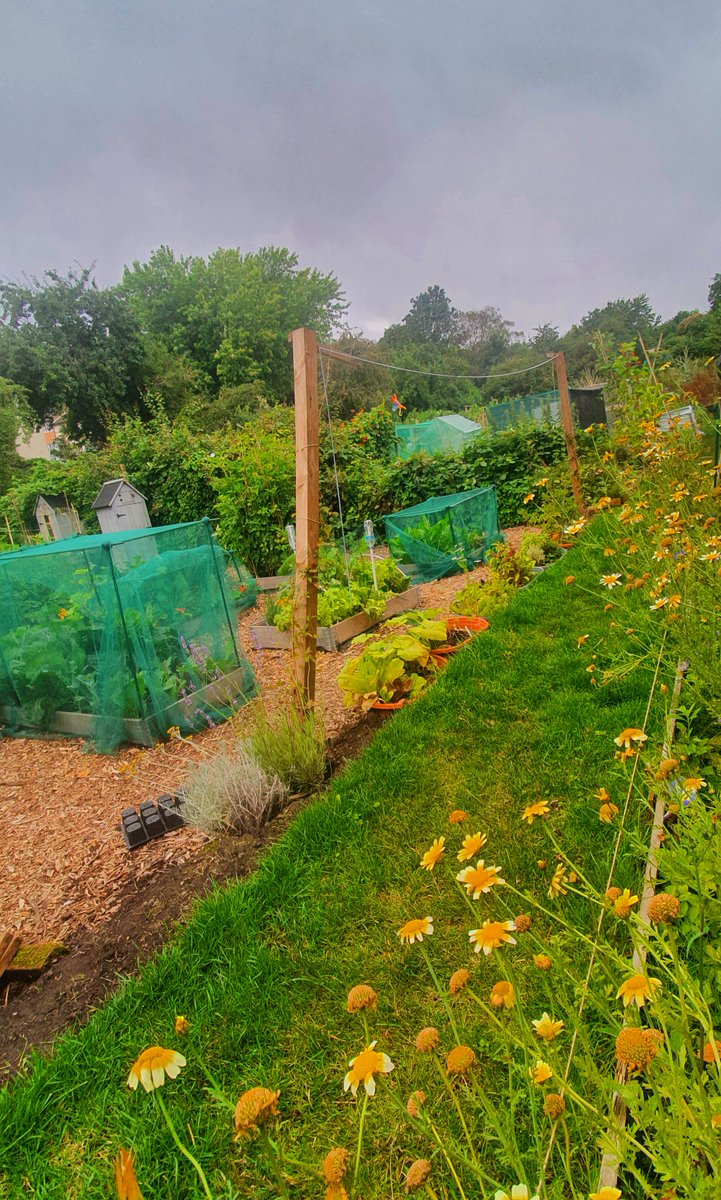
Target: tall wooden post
x=568, y=431
x=307, y=513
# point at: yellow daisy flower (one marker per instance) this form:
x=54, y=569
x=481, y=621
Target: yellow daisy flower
x=611, y=581
x=151, y=1067
x=503, y=994
x=363, y=1069
x=531, y=811
x=623, y=904
x=416, y=930
x=434, y=855
x=605, y=1193
x=472, y=843
x=518, y=1192
x=546, y=1028
x=607, y=812
x=626, y=736
x=557, y=885
x=638, y=989
x=541, y=1072
x=492, y=934
x=479, y=879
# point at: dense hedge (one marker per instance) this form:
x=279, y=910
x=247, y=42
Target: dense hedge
x=245, y=479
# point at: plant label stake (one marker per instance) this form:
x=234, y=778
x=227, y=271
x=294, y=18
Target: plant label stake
x=307, y=513
x=290, y=534
x=370, y=538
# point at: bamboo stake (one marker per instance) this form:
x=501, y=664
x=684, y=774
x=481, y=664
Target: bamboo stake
x=307, y=517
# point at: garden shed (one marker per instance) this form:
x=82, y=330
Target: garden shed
x=119, y=505
x=446, y=533
x=442, y=435
x=120, y=637
x=56, y=517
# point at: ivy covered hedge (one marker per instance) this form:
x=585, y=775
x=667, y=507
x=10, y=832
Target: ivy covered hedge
x=245, y=478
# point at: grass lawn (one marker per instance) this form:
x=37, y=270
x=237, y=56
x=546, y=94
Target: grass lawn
x=262, y=969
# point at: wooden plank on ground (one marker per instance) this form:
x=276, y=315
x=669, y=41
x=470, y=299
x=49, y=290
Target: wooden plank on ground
x=9, y=946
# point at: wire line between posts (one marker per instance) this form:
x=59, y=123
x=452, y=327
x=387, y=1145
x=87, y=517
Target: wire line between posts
x=335, y=469
x=343, y=356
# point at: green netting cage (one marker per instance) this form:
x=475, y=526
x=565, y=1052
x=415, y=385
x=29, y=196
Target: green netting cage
x=120, y=637
x=443, y=435
x=446, y=533
x=542, y=408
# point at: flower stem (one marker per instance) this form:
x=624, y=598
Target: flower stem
x=183, y=1149
x=274, y=1161
x=456, y=1102
x=359, y=1147
x=441, y=994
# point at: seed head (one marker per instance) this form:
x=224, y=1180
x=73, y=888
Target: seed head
x=416, y=1100
x=636, y=1047
x=361, y=996
x=417, y=1174
x=460, y=1059
x=522, y=923
x=663, y=908
x=427, y=1039
x=335, y=1165
x=458, y=980
x=554, y=1105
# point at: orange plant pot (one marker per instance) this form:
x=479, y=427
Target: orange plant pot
x=472, y=624
x=387, y=706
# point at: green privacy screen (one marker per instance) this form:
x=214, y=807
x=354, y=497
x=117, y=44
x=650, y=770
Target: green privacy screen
x=446, y=533
x=444, y=435
x=542, y=408
x=120, y=637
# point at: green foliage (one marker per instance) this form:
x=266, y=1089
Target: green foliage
x=291, y=745
x=478, y=599
x=510, y=566
x=74, y=348
x=336, y=598
x=398, y=667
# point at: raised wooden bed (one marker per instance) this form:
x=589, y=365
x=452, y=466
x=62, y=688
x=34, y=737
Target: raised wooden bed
x=272, y=583
x=332, y=637
x=221, y=691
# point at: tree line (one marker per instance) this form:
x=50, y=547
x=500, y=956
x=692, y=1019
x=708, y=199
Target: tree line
x=206, y=341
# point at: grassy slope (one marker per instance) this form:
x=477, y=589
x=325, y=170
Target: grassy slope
x=262, y=969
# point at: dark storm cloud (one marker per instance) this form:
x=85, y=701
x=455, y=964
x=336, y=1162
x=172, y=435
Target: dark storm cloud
x=544, y=157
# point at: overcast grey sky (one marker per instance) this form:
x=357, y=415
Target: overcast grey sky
x=543, y=156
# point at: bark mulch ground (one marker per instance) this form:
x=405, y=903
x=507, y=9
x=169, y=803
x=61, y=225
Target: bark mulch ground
x=67, y=876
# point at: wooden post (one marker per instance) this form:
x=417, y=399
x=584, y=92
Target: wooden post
x=307, y=513
x=10, y=532
x=568, y=431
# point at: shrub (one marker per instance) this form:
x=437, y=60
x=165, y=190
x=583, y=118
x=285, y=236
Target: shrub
x=232, y=791
x=482, y=599
x=290, y=745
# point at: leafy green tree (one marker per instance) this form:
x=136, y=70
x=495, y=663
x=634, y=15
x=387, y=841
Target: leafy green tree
x=75, y=348
x=714, y=291
x=431, y=318
x=485, y=336
x=546, y=337
x=230, y=316
x=15, y=417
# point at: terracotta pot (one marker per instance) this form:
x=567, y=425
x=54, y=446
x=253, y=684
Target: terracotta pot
x=382, y=706
x=472, y=624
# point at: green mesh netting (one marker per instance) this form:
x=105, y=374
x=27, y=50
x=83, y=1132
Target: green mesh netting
x=446, y=533
x=242, y=586
x=443, y=435
x=120, y=637
x=542, y=408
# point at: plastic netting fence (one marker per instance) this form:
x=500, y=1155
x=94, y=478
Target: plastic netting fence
x=446, y=533
x=443, y=435
x=542, y=408
x=121, y=637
